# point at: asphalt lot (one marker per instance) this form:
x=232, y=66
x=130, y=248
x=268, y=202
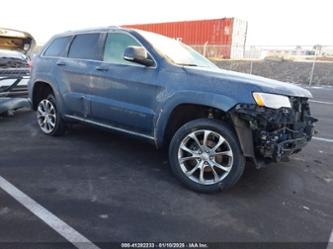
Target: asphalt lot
x=113, y=188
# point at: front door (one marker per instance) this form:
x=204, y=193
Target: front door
x=125, y=93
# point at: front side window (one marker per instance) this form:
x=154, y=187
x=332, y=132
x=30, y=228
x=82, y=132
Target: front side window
x=85, y=46
x=58, y=47
x=115, y=46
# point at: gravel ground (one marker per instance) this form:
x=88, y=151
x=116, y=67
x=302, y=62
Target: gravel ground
x=288, y=71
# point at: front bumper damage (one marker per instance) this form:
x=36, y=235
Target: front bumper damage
x=13, y=73
x=8, y=105
x=13, y=96
x=273, y=135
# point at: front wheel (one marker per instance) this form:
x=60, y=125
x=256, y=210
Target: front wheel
x=205, y=155
x=48, y=117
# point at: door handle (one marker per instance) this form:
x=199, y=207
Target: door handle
x=101, y=68
x=61, y=63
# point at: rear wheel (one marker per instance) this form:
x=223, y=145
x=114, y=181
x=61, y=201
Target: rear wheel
x=48, y=117
x=205, y=155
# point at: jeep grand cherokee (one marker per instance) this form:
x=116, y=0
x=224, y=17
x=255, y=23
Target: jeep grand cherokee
x=159, y=89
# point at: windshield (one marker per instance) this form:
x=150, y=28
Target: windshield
x=175, y=51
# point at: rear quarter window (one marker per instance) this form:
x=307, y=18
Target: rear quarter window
x=58, y=47
x=86, y=46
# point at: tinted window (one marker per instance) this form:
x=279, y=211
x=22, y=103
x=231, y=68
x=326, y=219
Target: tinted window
x=85, y=46
x=57, y=47
x=115, y=46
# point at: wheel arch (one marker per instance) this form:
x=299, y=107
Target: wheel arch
x=40, y=89
x=184, y=100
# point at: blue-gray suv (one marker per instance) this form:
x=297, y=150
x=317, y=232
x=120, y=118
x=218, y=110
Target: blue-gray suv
x=147, y=85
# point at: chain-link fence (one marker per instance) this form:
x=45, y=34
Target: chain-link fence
x=311, y=65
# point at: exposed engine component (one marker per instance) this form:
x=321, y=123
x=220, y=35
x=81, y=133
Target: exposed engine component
x=278, y=133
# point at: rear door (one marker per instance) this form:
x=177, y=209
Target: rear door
x=54, y=52
x=124, y=93
x=75, y=73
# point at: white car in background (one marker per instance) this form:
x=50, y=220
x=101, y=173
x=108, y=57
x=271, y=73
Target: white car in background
x=15, y=67
x=14, y=73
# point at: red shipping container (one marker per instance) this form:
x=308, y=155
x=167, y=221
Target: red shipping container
x=219, y=32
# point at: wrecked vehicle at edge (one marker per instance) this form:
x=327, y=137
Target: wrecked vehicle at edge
x=159, y=89
x=14, y=69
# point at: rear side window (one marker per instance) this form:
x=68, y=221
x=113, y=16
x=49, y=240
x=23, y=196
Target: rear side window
x=57, y=47
x=115, y=46
x=85, y=46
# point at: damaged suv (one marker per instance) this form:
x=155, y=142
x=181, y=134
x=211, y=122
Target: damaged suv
x=159, y=89
x=14, y=69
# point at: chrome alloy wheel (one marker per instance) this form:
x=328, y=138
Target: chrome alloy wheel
x=46, y=116
x=205, y=157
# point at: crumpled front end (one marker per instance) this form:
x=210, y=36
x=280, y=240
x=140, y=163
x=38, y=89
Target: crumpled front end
x=13, y=90
x=15, y=46
x=274, y=133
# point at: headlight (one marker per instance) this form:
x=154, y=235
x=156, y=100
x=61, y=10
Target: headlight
x=274, y=101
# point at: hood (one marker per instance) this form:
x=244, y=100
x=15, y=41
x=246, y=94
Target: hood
x=12, y=59
x=264, y=84
x=15, y=40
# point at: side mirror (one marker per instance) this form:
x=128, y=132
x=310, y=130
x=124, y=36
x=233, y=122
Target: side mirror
x=138, y=55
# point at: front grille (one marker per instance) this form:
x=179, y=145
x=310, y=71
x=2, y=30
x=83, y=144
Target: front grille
x=13, y=83
x=14, y=89
x=18, y=91
x=14, y=72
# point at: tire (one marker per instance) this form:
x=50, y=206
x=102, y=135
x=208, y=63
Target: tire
x=185, y=155
x=54, y=125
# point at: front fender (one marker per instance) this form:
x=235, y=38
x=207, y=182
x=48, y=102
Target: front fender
x=218, y=101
